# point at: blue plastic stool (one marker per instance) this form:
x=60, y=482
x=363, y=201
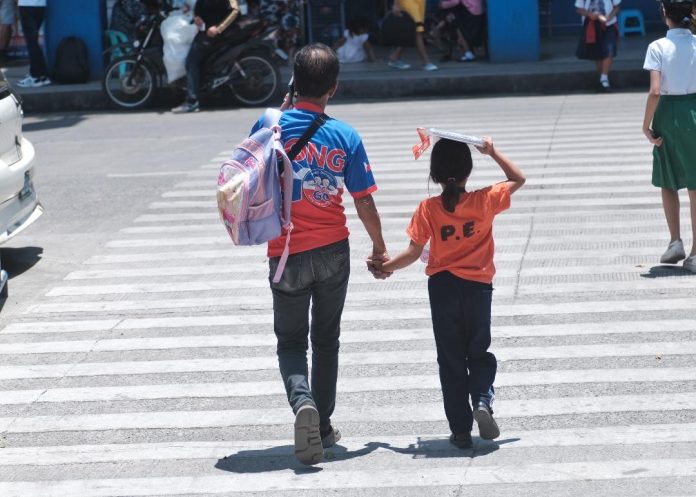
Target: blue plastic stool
x=633, y=15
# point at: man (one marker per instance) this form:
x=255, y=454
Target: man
x=213, y=18
x=31, y=15
x=7, y=19
x=318, y=267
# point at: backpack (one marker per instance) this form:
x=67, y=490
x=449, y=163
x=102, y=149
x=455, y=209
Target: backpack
x=72, y=63
x=252, y=205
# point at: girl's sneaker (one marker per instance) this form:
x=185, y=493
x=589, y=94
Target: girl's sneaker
x=398, y=64
x=690, y=263
x=32, y=82
x=674, y=253
x=430, y=67
x=467, y=57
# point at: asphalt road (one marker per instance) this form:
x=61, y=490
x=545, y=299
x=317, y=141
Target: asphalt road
x=137, y=355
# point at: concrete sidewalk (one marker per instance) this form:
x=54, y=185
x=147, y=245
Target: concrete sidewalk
x=558, y=71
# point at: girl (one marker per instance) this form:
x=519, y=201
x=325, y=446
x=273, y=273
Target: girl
x=415, y=9
x=600, y=35
x=670, y=122
x=459, y=226
x=354, y=46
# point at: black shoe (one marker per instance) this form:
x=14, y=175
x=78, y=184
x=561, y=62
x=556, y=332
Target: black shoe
x=488, y=428
x=461, y=440
x=330, y=437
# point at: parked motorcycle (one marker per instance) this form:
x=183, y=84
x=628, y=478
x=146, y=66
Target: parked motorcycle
x=245, y=66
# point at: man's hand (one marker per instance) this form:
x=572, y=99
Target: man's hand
x=650, y=135
x=374, y=264
x=198, y=21
x=287, y=103
x=213, y=31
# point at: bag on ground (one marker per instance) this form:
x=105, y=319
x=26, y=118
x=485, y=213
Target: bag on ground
x=178, y=34
x=72, y=62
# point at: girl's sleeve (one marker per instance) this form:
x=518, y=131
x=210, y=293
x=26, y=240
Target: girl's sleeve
x=498, y=197
x=419, y=230
x=653, y=58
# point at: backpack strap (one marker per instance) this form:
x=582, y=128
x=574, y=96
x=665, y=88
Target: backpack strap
x=288, y=180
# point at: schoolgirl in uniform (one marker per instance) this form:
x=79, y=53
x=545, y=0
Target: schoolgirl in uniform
x=670, y=122
x=459, y=226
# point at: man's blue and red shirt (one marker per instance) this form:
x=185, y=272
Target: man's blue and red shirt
x=333, y=160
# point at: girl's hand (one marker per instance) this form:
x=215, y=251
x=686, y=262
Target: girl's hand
x=488, y=148
x=650, y=135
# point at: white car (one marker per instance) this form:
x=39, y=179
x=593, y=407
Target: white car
x=19, y=205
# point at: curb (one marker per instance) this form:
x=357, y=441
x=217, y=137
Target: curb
x=356, y=88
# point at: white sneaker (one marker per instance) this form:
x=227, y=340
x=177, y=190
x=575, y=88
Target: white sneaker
x=690, y=263
x=674, y=253
x=430, y=67
x=398, y=64
x=32, y=82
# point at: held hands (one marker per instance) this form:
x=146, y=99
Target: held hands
x=650, y=135
x=374, y=265
x=488, y=148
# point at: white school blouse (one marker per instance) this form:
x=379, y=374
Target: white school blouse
x=603, y=7
x=674, y=56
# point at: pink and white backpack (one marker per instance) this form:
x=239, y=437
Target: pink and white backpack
x=249, y=194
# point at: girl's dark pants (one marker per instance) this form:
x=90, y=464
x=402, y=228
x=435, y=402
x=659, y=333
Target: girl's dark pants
x=461, y=313
x=318, y=277
x=32, y=18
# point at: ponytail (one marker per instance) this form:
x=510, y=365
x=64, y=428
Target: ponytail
x=450, y=195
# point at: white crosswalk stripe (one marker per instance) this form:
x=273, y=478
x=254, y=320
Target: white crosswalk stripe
x=151, y=370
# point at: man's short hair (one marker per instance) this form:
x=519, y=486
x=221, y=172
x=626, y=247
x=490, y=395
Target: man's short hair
x=315, y=71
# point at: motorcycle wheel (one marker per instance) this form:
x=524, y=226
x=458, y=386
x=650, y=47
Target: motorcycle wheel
x=129, y=85
x=255, y=81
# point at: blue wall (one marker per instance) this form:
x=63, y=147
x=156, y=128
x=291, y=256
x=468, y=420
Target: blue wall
x=566, y=20
x=85, y=19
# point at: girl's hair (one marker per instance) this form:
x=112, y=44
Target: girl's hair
x=679, y=12
x=450, y=164
x=357, y=24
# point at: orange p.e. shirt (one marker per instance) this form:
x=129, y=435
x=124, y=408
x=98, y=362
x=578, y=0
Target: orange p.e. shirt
x=461, y=242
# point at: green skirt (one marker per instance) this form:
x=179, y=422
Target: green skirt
x=674, y=163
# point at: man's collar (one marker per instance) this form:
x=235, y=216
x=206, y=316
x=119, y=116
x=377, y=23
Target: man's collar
x=309, y=107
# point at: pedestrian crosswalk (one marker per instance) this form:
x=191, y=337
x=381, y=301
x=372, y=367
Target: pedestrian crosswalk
x=151, y=369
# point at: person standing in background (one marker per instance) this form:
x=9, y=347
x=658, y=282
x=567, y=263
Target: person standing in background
x=600, y=35
x=7, y=19
x=415, y=9
x=31, y=15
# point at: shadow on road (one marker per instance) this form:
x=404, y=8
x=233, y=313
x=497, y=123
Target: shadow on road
x=53, y=122
x=282, y=458
x=666, y=272
x=18, y=260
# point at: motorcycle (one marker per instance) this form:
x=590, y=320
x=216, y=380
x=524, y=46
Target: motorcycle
x=246, y=66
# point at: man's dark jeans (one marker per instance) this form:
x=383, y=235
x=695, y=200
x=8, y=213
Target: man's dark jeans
x=31, y=19
x=319, y=276
x=461, y=313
